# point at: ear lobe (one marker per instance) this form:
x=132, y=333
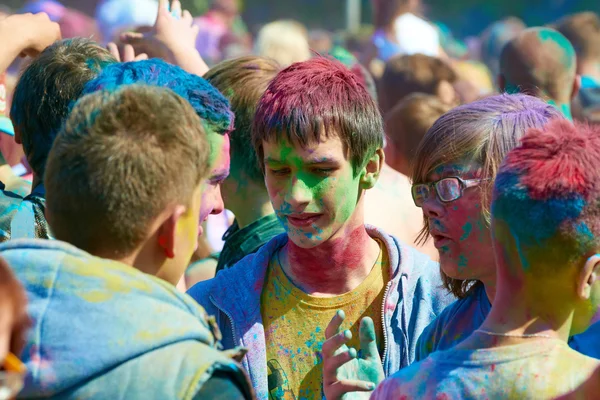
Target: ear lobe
x=372, y=169
x=588, y=276
x=167, y=233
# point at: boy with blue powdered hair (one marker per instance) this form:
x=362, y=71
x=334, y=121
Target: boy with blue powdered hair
x=124, y=179
x=210, y=105
x=546, y=236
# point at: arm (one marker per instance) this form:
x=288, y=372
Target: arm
x=25, y=35
x=174, y=34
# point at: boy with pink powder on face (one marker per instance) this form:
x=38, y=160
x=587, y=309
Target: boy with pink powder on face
x=319, y=137
x=546, y=239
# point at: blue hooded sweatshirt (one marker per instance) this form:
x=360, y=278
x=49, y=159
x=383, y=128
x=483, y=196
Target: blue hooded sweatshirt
x=413, y=298
x=102, y=329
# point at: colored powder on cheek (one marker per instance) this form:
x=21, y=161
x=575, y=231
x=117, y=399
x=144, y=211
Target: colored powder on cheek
x=467, y=228
x=462, y=263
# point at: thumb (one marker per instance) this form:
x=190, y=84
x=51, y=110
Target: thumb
x=368, y=340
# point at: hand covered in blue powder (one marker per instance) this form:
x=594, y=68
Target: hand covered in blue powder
x=348, y=374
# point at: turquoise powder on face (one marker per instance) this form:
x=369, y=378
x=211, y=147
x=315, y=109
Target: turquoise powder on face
x=467, y=228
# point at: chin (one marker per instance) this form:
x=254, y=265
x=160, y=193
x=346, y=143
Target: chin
x=304, y=240
x=452, y=268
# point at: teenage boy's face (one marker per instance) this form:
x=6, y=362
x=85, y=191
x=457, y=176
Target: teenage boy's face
x=314, y=190
x=212, y=201
x=458, y=228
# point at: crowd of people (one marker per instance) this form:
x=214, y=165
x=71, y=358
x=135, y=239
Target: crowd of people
x=403, y=216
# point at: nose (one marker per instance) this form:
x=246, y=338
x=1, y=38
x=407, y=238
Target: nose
x=218, y=201
x=432, y=207
x=299, y=194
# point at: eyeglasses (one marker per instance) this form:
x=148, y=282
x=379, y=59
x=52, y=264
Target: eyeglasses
x=12, y=377
x=447, y=189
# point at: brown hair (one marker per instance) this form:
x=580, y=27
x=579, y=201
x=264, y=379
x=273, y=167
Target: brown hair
x=406, y=74
x=409, y=121
x=120, y=159
x=46, y=89
x=385, y=12
x=583, y=31
x=12, y=292
x=243, y=81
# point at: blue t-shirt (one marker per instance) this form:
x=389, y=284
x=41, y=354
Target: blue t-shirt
x=588, y=342
x=454, y=324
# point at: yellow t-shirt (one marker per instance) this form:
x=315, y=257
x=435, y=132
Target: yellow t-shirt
x=295, y=325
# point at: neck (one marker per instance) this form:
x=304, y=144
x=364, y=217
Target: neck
x=249, y=203
x=335, y=267
x=564, y=108
x=525, y=309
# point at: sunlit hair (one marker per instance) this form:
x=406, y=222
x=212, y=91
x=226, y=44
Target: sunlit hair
x=13, y=300
x=284, y=41
x=243, y=81
x=210, y=105
x=547, y=193
x=46, y=89
x=481, y=132
x=409, y=121
x=122, y=157
x=317, y=99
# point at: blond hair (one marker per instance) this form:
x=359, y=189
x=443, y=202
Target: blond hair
x=285, y=41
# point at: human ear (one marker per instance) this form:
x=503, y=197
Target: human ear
x=576, y=86
x=372, y=170
x=167, y=233
x=588, y=276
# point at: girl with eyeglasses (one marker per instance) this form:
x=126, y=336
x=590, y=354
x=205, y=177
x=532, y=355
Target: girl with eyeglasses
x=453, y=175
x=13, y=324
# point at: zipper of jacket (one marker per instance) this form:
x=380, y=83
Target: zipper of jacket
x=235, y=342
x=383, y=325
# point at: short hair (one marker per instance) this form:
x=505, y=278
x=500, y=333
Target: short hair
x=13, y=293
x=285, y=41
x=583, y=31
x=210, y=105
x=120, y=159
x=46, y=89
x=409, y=121
x=547, y=193
x=483, y=131
x=316, y=99
x=243, y=81
x=540, y=62
x=406, y=74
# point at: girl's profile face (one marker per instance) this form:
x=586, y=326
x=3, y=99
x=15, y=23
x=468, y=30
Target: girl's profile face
x=458, y=228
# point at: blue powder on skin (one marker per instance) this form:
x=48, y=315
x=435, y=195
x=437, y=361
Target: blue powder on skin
x=467, y=228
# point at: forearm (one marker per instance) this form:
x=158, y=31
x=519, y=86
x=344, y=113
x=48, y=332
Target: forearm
x=190, y=61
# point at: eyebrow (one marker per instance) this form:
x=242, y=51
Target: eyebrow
x=318, y=160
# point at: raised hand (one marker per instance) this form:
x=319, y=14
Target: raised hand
x=128, y=53
x=173, y=34
x=348, y=374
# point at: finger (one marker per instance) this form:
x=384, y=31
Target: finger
x=331, y=364
x=344, y=386
x=128, y=53
x=114, y=50
x=368, y=340
x=141, y=57
x=335, y=324
x=176, y=9
x=331, y=345
x=131, y=37
x=187, y=17
x=195, y=31
x=163, y=8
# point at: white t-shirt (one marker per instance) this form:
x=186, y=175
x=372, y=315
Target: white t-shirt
x=538, y=369
x=415, y=35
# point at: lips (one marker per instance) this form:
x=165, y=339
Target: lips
x=303, y=220
x=439, y=239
